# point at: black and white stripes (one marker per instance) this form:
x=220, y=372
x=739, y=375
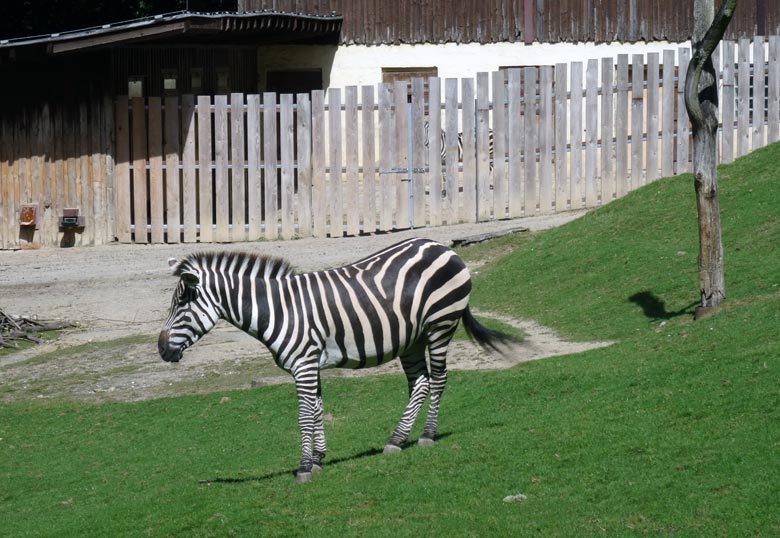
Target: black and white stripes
x=393, y=304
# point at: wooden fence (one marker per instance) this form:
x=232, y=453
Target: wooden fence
x=241, y=167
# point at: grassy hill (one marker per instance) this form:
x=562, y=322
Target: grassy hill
x=672, y=430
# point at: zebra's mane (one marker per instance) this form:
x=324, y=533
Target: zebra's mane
x=270, y=266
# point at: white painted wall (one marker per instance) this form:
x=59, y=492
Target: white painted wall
x=359, y=65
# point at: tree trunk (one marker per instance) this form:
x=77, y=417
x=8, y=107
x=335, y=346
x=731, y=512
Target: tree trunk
x=701, y=101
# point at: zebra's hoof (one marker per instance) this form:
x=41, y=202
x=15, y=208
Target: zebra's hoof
x=302, y=477
x=391, y=449
x=425, y=441
x=316, y=468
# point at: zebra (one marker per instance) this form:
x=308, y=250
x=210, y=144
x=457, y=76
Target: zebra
x=392, y=304
x=443, y=144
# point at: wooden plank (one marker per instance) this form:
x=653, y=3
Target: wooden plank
x=319, y=192
x=577, y=193
x=270, y=172
x=451, y=201
x=156, y=199
x=469, y=184
x=205, y=174
x=352, y=205
x=773, y=134
x=667, y=114
x=139, y=171
x=500, y=187
x=386, y=152
x=4, y=197
x=303, y=139
x=607, y=129
x=418, y=177
x=759, y=110
x=121, y=169
x=637, y=121
x=221, y=172
x=173, y=180
x=561, y=136
x=773, y=90
x=683, y=123
x=369, y=199
x=621, y=127
x=651, y=161
x=254, y=155
x=108, y=153
x=435, y=178
x=237, y=170
x=287, y=153
x=546, y=138
x=530, y=129
x=743, y=98
x=335, y=178
x=59, y=198
x=591, y=132
x=189, y=182
x=727, y=106
x=401, y=161
x=84, y=176
x=97, y=185
x=483, y=201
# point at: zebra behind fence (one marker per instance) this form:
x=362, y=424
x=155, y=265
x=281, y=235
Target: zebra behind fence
x=443, y=144
x=393, y=304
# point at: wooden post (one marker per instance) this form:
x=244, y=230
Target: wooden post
x=561, y=132
x=546, y=134
x=139, y=171
x=172, y=175
x=189, y=182
x=651, y=160
x=499, y=145
x=591, y=133
x=434, y=151
x=270, y=176
x=607, y=121
x=637, y=120
x=221, y=179
x=318, y=192
x=386, y=153
x=303, y=132
x=452, y=196
x=237, y=172
x=369, y=202
x=483, y=150
x=155, y=170
x=335, y=190
x=287, y=143
x=121, y=170
x=577, y=191
x=205, y=175
x=352, y=185
x=515, y=141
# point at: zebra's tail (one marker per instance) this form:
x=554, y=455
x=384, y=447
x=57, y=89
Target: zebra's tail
x=481, y=334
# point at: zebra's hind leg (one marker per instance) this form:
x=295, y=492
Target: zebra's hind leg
x=438, y=341
x=416, y=371
x=306, y=386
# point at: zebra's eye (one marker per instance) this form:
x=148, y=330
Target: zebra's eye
x=189, y=294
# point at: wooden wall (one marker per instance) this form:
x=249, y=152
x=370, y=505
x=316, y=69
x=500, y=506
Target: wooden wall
x=372, y=22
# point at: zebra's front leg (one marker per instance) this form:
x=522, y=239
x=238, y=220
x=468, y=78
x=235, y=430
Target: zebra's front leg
x=306, y=386
x=320, y=449
x=417, y=376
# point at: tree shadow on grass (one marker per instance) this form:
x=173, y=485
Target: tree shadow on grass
x=327, y=462
x=655, y=308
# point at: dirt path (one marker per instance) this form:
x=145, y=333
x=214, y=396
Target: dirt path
x=120, y=295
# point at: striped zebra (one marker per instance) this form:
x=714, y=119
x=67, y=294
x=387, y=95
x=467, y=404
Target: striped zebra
x=396, y=303
x=443, y=144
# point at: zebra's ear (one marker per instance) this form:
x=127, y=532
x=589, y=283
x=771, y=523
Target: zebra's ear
x=172, y=263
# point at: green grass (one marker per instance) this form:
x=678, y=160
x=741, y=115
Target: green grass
x=672, y=430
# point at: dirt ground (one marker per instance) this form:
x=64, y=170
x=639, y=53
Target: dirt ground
x=119, y=295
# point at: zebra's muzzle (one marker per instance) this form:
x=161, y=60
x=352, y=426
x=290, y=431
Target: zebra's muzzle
x=168, y=352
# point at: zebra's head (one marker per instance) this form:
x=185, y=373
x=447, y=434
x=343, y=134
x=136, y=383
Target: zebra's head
x=193, y=312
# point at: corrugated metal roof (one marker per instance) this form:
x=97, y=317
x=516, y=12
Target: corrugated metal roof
x=182, y=22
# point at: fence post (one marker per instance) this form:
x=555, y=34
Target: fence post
x=304, y=138
x=607, y=121
x=546, y=133
x=591, y=132
x=368, y=203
